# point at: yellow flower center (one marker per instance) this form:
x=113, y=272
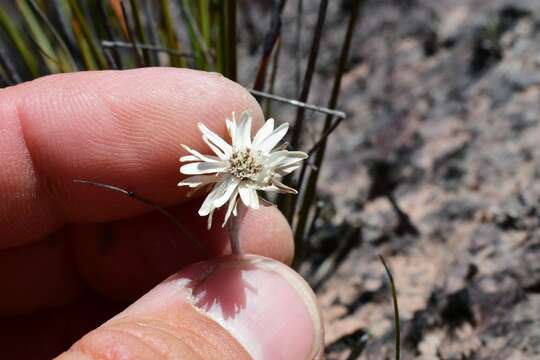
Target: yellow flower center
x=243, y=165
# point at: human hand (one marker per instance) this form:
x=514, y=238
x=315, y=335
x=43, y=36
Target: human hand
x=72, y=256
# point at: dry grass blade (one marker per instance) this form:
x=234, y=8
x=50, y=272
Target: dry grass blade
x=308, y=76
x=297, y=45
x=311, y=186
x=287, y=203
x=269, y=43
x=273, y=76
x=325, y=136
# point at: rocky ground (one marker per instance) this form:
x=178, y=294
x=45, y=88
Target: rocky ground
x=437, y=168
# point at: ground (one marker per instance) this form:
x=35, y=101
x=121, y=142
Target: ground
x=443, y=104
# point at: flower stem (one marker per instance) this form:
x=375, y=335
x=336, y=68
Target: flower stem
x=234, y=229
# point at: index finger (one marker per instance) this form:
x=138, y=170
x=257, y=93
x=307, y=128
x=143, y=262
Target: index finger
x=117, y=127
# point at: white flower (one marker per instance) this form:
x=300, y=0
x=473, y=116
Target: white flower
x=240, y=168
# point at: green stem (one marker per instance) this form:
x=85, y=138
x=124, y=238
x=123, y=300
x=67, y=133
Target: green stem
x=397, y=338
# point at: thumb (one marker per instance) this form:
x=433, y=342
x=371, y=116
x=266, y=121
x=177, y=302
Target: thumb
x=235, y=307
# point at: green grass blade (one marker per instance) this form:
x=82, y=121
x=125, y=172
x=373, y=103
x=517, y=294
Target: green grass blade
x=139, y=62
x=198, y=44
x=67, y=63
x=38, y=35
x=139, y=30
x=20, y=43
x=397, y=331
x=86, y=53
x=170, y=35
x=95, y=50
x=203, y=7
x=221, y=45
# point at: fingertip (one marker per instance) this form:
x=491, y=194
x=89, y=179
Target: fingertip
x=266, y=232
x=234, y=307
x=263, y=303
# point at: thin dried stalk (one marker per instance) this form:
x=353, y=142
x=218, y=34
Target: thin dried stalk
x=311, y=186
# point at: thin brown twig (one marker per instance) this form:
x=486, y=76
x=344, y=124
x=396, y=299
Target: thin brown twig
x=324, y=136
x=147, y=202
x=310, y=71
x=270, y=40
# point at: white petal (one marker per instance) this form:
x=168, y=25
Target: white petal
x=215, y=149
x=208, y=203
x=198, y=180
x=288, y=162
x=189, y=158
x=249, y=196
x=288, y=169
x=263, y=133
x=219, y=195
x=271, y=188
x=283, y=188
x=209, y=226
x=273, y=139
x=242, y=138
x=215, y=139
x=230, y=185
x=231, y=126
x=198, y=155
x=203, y=168
x=254, y=199
x=231, y=206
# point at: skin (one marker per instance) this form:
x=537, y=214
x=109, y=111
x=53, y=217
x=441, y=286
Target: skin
x=73, y=256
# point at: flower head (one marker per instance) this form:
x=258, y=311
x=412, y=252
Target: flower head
x=240, y=168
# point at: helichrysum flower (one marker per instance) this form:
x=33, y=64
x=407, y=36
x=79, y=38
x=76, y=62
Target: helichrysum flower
x=241, y=168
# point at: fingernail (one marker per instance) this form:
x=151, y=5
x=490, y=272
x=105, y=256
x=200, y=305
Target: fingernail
x=262, y=303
